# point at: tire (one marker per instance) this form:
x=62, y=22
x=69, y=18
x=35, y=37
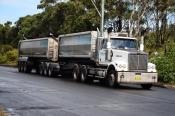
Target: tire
x=29, y=69
x=19, y=66
x=146, y=86
x=37, y=70
x=25, y=67
x=50, y=72
x=111, y=79
x=22, y=66
x=75, y=73
x=84, y=76
x=41, y=70
x=45, y=70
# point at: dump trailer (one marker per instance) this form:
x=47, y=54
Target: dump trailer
x=78, y=47
x=112, y=59
x=40, y=54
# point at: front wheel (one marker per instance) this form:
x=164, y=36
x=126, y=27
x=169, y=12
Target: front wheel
x=111, y=79
x=146, y=86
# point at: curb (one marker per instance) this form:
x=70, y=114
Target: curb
x=7, y=65
x=162, y=85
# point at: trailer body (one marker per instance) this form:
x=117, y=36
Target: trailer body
x=78, y=46
x=46, y=48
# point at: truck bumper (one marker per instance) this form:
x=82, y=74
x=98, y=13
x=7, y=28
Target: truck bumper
x=137, y=77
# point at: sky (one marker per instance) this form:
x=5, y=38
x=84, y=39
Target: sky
x=12, y=10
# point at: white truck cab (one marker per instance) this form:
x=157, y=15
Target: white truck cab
x=127, y=62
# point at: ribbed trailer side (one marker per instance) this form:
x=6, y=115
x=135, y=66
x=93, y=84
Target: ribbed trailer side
x=46, y=48
x=78, y=45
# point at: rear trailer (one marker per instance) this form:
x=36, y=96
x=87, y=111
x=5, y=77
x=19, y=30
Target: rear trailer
x=40, y=54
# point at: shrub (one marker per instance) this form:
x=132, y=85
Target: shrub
x=165, y=65
x=3, y=59
x=12, y=56
x=8, y=55
x=5, y=48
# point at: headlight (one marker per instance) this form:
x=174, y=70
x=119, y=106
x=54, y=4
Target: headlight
x=121, y=67
x=151, y=67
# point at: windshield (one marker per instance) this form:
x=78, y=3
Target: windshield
x=120, y=43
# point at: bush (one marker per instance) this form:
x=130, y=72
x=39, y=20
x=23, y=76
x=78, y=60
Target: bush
x=165, y=65
x=8, y=55
x=12, y=56
x=3, y=59
x=5, y=48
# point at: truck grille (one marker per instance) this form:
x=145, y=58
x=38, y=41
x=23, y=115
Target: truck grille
x=138, y=62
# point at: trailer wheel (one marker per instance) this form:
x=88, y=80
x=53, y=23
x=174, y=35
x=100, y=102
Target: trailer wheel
x=84, y=76
x=75, y=73
x=146, y=86
x=25, y=67
x=41, y=70
x=29, y=70
x=37, y=70
x=111, y=78
x=45, y=70
x=22, y=67
x=50, y=72
x=19, y=66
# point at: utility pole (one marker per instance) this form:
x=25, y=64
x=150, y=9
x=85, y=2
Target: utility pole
x=101, y=15
x=102, y=18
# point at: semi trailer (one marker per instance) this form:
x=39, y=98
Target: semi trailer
x=112, y=59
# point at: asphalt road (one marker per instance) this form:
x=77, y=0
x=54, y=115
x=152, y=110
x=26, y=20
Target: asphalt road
x=33, y=95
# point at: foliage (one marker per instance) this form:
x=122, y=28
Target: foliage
x=5, y=48
x=12, y=56
x=165, y=65
x=8, y=55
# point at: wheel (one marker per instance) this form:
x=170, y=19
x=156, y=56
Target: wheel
x=111, y=79
x=45, y=70
x=84, y=76
x=19, y=66
x=29, y=69
x=146, y=86
x=37, y=70
x=41, y=69
x=22, y=66
x=50, y=72
x=25, y=67
x=75, y=73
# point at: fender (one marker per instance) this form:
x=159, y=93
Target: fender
x=112, y=65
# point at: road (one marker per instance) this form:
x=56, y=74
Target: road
x=33, y=95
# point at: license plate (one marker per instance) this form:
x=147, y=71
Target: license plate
x=138, y=77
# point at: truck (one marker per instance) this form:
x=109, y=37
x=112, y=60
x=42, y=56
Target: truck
x=112, y=59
